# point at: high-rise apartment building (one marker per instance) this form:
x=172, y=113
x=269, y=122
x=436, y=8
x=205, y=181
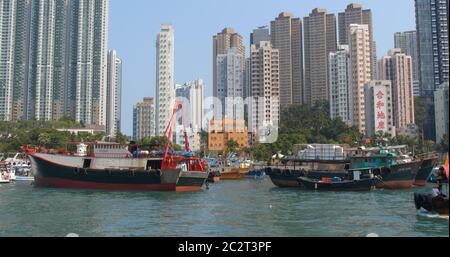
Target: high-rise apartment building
x=230, y=84
x=14, y=33
x=144, y=119
x=165, y=91
x=379, y=111
x=60, y=59
x=355, y=14
x=320, y=40
x=360, y=71
x=286, y=36
x=265, y=105
x=407, y=42
x=433, y=47
x=113, y=94
x=397, y=67
x=339, y=84
x=441, y=110
x=222, y=42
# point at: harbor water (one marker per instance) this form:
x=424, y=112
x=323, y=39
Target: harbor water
x=247, y=208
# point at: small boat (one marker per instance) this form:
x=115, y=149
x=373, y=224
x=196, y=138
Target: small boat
x=337, y=184
x=430, y=203
x=256, y=174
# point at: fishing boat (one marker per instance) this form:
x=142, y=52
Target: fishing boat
x=337, y=184
x=287, y=175
x=425, y=170
x=20, y=167
x=110, y=166
x=394, y=171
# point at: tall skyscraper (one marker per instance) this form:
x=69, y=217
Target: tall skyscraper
x=260, y=34
x=14, y=27
x=89, y=59
x=432, y=38
x=21, y=59
x=397, y=67
x=60, y=59
x=407, y=42
x=230, y=84
x=286, y=36
x=360, y=71
x=222, y=42
x=355, y=14
x=441, y=110
x=265, y=70
x=144, y=119
x=339, y=83
x=379, y=111
x=320, y=40
x=113, y=94
x=165, y=91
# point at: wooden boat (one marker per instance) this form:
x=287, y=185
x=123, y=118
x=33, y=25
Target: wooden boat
x=233, y=173
x=315, y=169
x=425, y=170
x=437, y=204
x=393, y=172
x=330, y=185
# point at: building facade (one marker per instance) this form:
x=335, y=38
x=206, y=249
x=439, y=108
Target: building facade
x=441, y=110
x=220, y=132
x=114, y=94
x=355, y=14
x=230, y=84
x=260, y=34
x=407, y=42
x=144, y=119
x=60, y=60
x=165, y=91
x=433, y=48
x=397, y=67
x=286, y=36
x=320, y=41
x=265, y=74
x=378, y=100
x=339, y=84
x=360, y=72
x=222, y=42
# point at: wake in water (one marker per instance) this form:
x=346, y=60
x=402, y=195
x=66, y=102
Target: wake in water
x=433, y=215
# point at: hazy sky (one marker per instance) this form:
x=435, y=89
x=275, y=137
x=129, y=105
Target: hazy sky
x=133, y=26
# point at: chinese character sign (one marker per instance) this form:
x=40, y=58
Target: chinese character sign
x=381, y=115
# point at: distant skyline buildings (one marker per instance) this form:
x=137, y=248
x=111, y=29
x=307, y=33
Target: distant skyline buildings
x=287, y=36
x=339, y=84
x=144, y=119
x=320, y=39
x=165, y=90
x=57, y=60
x=114, y=94
x=433, y=47
x=407, y=42
x=360, y=71
x=397, y=67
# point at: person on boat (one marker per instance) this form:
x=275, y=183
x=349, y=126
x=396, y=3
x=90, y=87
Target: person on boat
x=441, y=177
x=435, y=192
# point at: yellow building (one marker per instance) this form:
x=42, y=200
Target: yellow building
x=220, y=132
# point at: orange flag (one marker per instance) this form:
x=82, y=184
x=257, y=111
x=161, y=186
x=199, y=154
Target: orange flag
x=446, y=165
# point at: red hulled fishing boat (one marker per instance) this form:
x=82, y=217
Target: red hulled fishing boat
x=109, y=166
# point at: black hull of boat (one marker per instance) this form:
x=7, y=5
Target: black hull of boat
x=51, y=174
x=359, y=186
x=437, y=204
x=289, y=178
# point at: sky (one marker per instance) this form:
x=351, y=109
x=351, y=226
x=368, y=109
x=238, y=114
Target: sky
x=133, y=26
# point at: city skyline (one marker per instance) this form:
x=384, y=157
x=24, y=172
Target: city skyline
x=133, y=33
